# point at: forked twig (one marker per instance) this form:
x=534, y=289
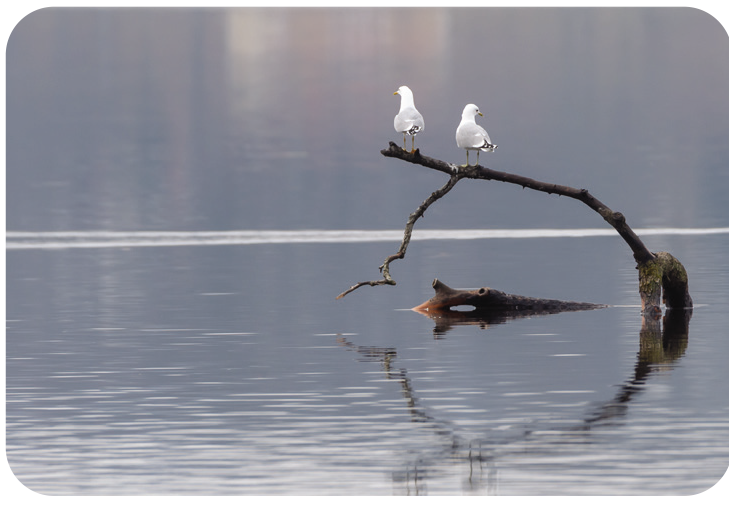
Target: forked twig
x=385, y=267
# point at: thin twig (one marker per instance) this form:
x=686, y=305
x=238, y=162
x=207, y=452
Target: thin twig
x=455, y=176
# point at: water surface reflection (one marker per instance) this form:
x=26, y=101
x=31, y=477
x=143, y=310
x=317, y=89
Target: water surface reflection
x=476, y=460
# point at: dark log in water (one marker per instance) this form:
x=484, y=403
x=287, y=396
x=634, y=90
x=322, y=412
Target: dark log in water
x=493, y=300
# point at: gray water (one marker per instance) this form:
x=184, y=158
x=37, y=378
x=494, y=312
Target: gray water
x=188, y=191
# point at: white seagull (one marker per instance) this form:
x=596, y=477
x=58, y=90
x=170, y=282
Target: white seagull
x=472, y=136
x=409, y=121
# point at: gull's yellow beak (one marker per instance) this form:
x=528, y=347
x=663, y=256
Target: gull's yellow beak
x=396, y=93
x=480, y=114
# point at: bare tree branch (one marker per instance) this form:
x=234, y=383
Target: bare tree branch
x=655, y=271
x=615, y=219
x=385, y=267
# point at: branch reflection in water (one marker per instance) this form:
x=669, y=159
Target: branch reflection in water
x=450, y=446
x=659, y=350
x=662, y=342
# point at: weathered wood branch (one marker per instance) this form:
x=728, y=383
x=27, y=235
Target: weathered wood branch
x=615, y=219
x=385, y=267
x=655, y=271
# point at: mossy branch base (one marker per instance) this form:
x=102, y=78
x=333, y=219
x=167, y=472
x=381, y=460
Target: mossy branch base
x=666, y=273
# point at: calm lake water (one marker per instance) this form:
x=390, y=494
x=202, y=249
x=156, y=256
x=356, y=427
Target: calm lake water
x=189, y=190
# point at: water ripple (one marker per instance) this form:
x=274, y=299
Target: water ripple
x=125, y=239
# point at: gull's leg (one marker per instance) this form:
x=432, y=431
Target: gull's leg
x=477, y=154
x=466, y=164
x=412, y=144
x=404, y=143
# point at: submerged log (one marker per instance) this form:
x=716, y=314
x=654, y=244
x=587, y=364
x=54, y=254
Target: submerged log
x=490, y=307
x=488, y=299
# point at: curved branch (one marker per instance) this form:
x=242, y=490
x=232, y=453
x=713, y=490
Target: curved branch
x=615, y=219
x=655, y=272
